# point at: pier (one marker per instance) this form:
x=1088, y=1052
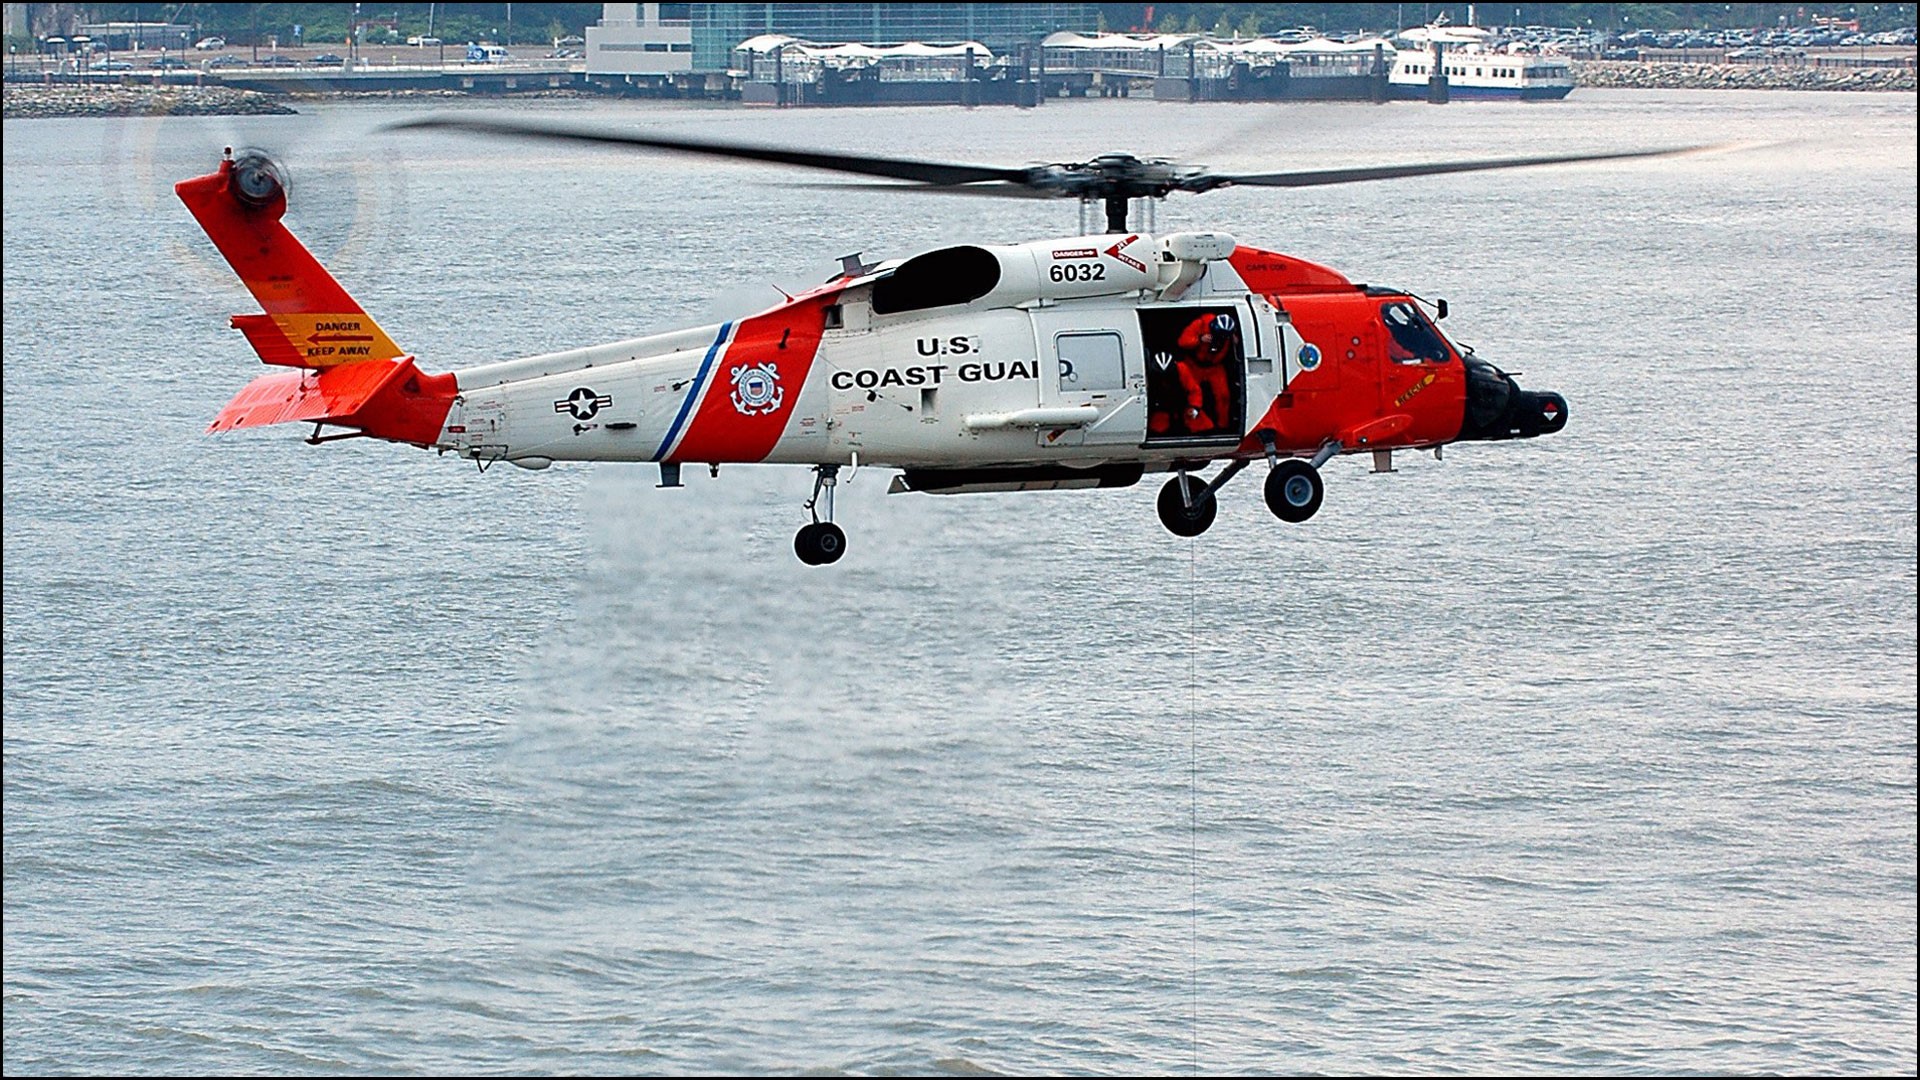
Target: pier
x=1194, y=67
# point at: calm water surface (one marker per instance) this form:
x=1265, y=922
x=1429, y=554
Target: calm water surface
x=1589, y=754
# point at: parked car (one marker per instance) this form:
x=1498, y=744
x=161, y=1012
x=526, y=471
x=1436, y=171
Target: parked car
x=104, y=64
x=165, y=62
x=422, y=41
x=327, y=58
x=208, y=44
x=1747, y=52
x=277, y=60
x=225, y=60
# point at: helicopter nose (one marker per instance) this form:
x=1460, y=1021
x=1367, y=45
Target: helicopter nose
x=1498, y=409
x=1537, y=412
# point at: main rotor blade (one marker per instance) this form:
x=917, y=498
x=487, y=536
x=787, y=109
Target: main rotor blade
x=925, y=172
x=1320, y=177
x=999, y=191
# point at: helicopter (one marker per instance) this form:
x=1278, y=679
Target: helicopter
x=1085, y=361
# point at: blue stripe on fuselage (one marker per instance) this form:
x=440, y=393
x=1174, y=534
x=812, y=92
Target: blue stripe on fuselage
x=693, y=394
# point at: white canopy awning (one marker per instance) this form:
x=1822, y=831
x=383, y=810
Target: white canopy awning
x=854, y=50
x=1067, y=39
x=1446, y=35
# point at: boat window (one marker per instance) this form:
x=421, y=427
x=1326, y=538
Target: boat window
x=1410, y=337
x=954, y=275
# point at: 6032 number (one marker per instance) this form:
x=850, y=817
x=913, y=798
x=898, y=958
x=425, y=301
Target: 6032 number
x=1078, y=271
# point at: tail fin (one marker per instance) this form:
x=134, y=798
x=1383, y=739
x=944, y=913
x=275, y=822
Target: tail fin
x=309, y=320
x=357, y=377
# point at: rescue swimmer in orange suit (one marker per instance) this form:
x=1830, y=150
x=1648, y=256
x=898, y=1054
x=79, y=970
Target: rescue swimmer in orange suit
x=1206, y=347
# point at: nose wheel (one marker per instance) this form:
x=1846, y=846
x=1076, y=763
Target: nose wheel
x=1294, y=490
x=821, y=542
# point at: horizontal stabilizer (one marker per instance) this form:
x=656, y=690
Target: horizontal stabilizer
x=333, y=394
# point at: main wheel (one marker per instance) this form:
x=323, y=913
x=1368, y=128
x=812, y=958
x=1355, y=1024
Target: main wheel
x=819, y=543
x=1294, y=490
x=1180, y=518
x=803, y=544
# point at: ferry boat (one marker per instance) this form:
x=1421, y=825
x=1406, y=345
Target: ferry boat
x=1475, y=66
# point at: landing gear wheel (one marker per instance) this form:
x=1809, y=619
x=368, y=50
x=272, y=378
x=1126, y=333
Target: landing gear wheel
x=1180, y=518
x=1294, y=490
x=803, y=544
x=820, y=543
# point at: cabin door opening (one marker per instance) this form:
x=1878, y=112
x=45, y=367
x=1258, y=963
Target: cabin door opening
x=1196, y=375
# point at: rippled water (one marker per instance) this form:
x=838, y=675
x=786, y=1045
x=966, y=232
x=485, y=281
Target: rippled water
x=1589, y=754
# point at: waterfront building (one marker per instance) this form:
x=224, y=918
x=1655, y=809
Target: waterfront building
x=678, y=42
x=641, y=41
x=666, y=38
x=127, y=36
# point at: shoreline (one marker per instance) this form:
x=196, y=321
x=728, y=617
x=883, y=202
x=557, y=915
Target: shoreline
x=36, y=100
x=1667, y=75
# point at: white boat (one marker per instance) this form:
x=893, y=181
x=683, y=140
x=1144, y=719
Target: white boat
x=1476, y=64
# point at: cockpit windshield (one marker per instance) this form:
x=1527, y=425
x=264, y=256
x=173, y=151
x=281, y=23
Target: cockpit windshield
x=1411, y=339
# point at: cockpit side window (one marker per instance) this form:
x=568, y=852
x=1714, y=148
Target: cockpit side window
x=1411, y=339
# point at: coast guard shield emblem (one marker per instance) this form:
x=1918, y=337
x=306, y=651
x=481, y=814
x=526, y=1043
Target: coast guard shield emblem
x=756, y=389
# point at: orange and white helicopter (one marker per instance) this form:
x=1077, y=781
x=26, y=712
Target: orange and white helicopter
x=1086, y=361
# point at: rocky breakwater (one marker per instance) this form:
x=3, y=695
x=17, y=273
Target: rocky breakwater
x=32, y=101
x=1632, y=75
